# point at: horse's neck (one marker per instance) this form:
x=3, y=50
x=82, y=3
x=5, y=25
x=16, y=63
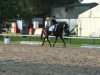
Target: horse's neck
x=60, y=27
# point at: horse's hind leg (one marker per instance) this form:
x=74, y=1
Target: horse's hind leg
x=63, y=41
x=55, y=41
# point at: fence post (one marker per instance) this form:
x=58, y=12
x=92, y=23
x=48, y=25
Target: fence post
x=30, y=38
x=12, y=38
x=70, y=41
x=93, y=41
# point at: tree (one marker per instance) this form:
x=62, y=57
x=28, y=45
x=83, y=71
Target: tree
x=26, y=9
x=72, y=1
x=9, y=9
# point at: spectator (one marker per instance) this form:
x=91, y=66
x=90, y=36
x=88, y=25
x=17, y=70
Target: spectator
x=7, y=27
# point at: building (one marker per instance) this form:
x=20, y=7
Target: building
x=83, y=16
x=89, y=21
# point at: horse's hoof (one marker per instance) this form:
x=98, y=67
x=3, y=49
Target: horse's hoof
x=42, y=45
x=50, y=45
x=64, y=46
x=53, y=46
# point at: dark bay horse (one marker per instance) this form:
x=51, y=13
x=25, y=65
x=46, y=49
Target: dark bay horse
x=57, y=32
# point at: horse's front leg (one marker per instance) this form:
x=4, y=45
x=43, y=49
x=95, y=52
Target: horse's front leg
x=43, y=41
x=55, y=41
x=48, y=40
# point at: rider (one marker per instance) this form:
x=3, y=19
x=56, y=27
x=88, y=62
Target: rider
x=53, y=21
x=53, y=24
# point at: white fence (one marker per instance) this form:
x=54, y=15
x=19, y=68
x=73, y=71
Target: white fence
x=66, y=37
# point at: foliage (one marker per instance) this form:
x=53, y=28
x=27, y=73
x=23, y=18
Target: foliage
x=10, y=9
x=73, y=1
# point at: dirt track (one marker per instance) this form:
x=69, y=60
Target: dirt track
x=36, y=60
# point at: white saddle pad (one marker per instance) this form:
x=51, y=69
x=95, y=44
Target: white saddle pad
x=51, y=28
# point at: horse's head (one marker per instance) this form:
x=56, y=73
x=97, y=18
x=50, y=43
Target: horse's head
x=65, y=25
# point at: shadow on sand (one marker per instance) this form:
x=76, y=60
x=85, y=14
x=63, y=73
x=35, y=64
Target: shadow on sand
x=13, y=67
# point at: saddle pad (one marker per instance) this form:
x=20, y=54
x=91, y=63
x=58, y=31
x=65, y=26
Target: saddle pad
x=51, y=28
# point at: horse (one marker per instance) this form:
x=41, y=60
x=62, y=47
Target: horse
x=57, y=32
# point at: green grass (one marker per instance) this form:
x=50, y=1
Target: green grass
x=75, y=42
x=24, y=38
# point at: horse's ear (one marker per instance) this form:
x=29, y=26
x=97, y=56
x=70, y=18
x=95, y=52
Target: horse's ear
x=54, y=17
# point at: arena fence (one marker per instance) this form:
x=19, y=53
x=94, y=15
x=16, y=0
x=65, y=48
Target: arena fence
x=30, y=37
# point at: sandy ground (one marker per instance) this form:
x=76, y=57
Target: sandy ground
x=37, y=60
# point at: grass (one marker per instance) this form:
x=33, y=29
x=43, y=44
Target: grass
x=75, y=42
